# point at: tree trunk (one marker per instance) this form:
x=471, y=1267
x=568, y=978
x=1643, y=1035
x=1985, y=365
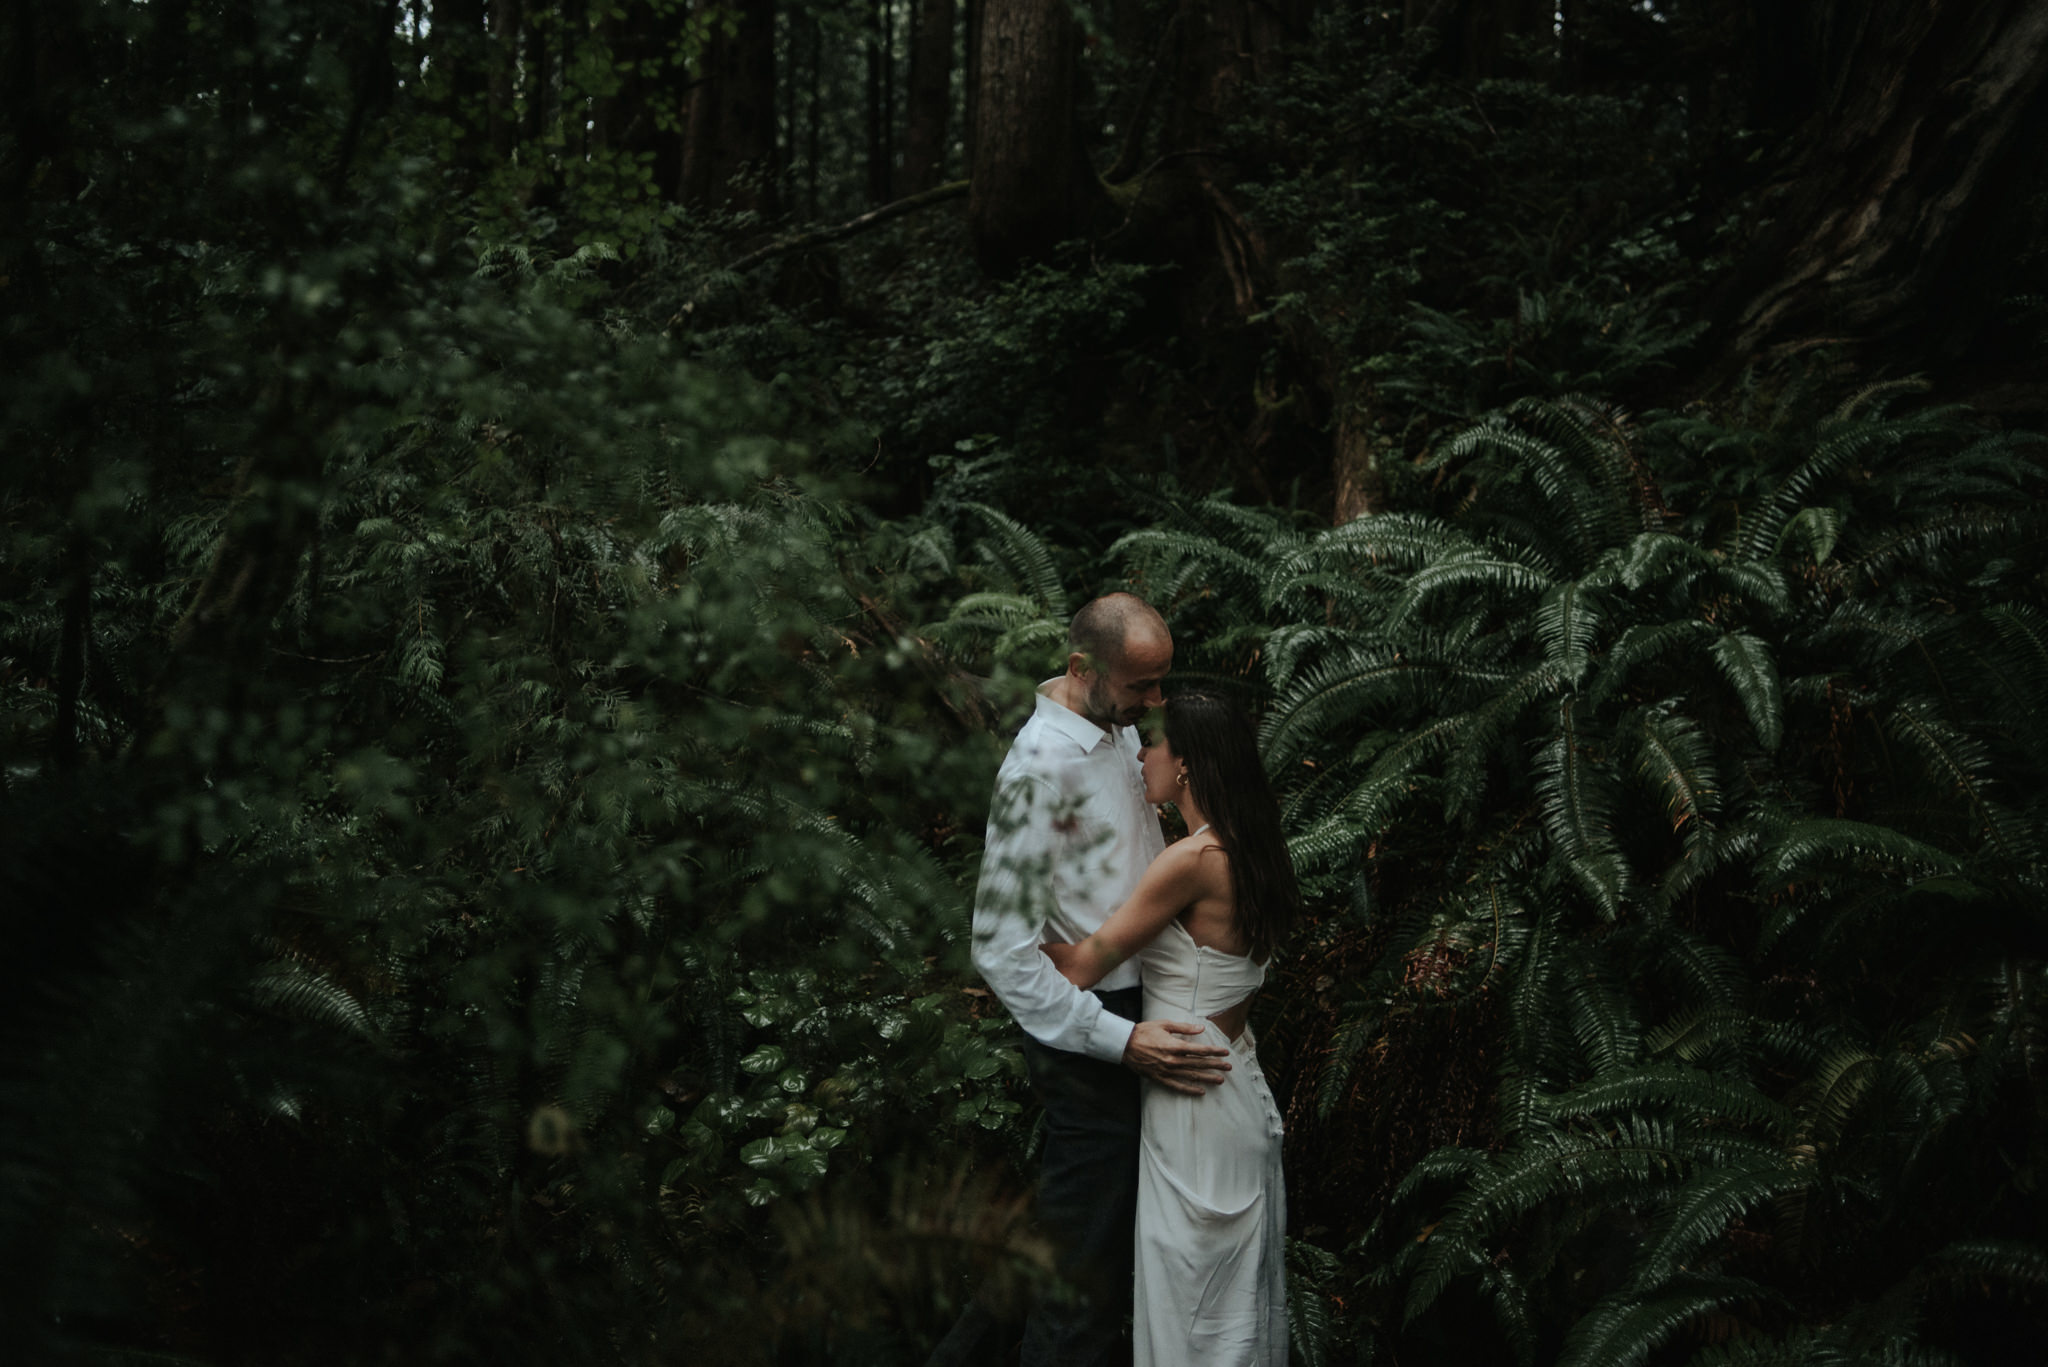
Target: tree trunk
x=1884, y=223
x=459, y=45
x=1032, y=187
x=1360, y=487
x=814, y=128
x=970, y=82
x=502, y=75
x=928, y=101
x=730, y=153
x=877, y=56
x=539, y=81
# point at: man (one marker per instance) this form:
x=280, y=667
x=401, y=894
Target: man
x=1069, y=834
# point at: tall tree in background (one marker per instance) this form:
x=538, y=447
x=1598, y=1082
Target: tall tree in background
x=730, y=153
x=1031, y=186
x=928, y=103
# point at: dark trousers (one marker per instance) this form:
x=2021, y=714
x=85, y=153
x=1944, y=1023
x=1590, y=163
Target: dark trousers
x=1087, y=1204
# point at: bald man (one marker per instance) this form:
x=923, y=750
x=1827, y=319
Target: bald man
x=1069, y=834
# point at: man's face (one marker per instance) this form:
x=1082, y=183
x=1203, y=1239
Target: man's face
x=1122, y=693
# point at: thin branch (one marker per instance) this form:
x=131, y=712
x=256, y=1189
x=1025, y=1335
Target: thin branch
x=818, y=237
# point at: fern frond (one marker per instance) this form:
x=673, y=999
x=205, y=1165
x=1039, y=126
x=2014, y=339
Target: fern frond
x=2010, y=1261
x=1336, y=698
x=1650, y=557
x=1925, y=544
x=1697, y=1033
x=1576, y=797
x=1694, y=1092
x=1747, y=665
x=1383, y=542
x=1488, y=578
x=1841, y=443
x=1568, y=621
x=1603, y=1021
x=1026, y=555
x=1678, y=760
x=1622, y=1330
x=1310, y=1324
x=1806, y=847
x=1487, y=725
x=1641, y=644
x=1707, y=1203
x=1817, y=530
x=298, y=992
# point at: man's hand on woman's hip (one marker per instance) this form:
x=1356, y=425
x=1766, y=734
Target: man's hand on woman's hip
x=1161, y=1051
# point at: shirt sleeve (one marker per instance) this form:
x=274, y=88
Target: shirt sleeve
x=1011, y=906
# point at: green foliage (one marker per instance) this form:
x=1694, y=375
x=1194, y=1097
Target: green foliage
x=487, y=843
x=490, y=801
x=1614, y=776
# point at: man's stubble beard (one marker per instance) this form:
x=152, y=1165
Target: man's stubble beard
x=1101, y=702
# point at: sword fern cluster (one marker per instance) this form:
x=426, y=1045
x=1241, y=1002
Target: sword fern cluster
x=1727, y=820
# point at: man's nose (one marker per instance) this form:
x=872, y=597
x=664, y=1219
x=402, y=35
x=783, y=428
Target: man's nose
x=1155, y=696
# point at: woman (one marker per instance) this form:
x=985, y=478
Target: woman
x=1210, y=1279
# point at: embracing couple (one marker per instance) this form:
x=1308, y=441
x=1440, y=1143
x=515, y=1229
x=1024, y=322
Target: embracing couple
x=1131, y=966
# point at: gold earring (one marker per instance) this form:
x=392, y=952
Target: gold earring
x=1181, y=779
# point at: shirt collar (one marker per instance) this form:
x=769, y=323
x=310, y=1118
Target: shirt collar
x=1068, y=722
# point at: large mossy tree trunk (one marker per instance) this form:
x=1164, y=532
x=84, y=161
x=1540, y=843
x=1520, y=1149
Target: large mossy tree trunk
x=1920, y=136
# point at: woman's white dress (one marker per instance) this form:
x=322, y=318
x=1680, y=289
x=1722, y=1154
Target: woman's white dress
x=1211, y=1278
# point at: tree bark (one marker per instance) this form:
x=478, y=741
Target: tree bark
x=1360, y=486
x=729, y=156
x=1923, y=131
x=878, y=120
x=1032, y=187
x=970, y=76
x=928, y=102
x=539, y=80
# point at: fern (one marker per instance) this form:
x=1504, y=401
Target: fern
x=1746, y=664
x=1027, y=557
x=1622, y=1330
x=1577, y=796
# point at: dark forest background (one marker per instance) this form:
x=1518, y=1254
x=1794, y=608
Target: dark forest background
x=527, y=527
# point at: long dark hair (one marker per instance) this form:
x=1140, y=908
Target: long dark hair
x=1213, y=736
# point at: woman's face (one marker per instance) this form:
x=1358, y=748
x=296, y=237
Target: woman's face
x=1162, y=770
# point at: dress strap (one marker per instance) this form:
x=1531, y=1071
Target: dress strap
x=1198, y=830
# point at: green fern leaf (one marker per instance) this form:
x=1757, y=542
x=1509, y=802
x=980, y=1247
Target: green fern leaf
x=1807, y=848
x=1622, y=1330
x=1694, y=1092
x=293, y=990
x=1026, y=555
x=1568, y=621
x=1576, y=796
x=1746, y=664
x=1678, y=760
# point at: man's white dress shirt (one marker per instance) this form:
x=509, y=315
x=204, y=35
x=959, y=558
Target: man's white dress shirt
x=1069, y=834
